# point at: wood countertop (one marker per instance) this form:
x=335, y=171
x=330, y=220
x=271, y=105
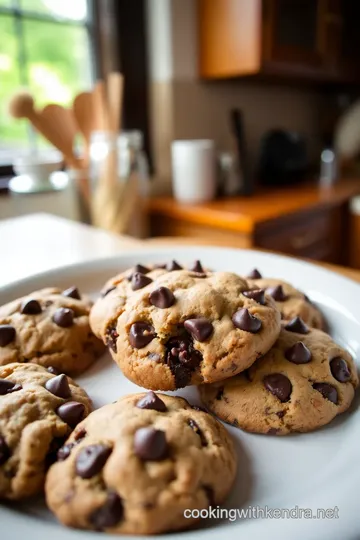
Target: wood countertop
x=242, y=214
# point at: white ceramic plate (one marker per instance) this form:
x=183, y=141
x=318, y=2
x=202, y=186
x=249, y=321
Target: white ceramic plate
x=309, y=471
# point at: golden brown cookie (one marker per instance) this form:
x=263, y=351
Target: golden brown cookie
x=185, y=328
x=290, y=301
x=38, y=411
x=49, y=327
x=302, y=383
x=138, y=464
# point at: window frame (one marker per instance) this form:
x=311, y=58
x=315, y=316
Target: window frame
x=19, y=14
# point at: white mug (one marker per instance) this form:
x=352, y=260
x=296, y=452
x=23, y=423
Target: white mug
x=193, y=170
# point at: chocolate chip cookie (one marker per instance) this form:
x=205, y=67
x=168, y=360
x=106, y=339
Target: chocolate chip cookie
x=187, y=327
x=134, y=466
x=38, y=411
x=302, y=383
x=49, y=327
x=290, y=301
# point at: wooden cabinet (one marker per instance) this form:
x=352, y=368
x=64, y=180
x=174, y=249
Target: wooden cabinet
x=303, y=221
x=314, y=39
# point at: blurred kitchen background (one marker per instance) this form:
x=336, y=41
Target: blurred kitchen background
x=236, y=122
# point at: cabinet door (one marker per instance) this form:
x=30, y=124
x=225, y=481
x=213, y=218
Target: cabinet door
x=293, y=32
x=350, y=38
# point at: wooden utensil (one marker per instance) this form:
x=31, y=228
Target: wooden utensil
x=64, y=130
x=100, y=107
x=83, y=109
x=115, y=88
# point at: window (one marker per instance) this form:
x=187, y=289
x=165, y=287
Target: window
x=45, y=45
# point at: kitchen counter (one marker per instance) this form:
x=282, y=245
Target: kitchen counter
x=304, y=220
x=244, y=213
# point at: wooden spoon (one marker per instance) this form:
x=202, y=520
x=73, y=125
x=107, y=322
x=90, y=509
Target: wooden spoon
x=63, y=130
x=83, y=109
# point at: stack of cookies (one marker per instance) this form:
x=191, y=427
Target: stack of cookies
x=255, y=347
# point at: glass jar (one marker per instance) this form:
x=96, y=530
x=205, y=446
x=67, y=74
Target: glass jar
x=129, y=171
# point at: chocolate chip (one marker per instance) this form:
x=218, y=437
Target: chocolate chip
x=141, y=334
x=59, y=386
x=108, y=290
x=219, y=394
x=173, y=265
x=8, y=387
x=339, y=369
x=4, y=450
x=53, y=370
x=297, y=325
x=91, y=460
x=254, y=274
x=142, y=269
x=31, y=307
x=7, y=334
x=197, y=267
x=151, y=401
x=200, y=329
x=327, y=391
x=277, y=293
x=210, y=495
x=278, y=385
x=280, y=414
x=139, y=281
x=64, y=452
x=79, y=435
x=182, y=359
x=162, y=298
x=63, y=317
x=71, y=412
x=197, y=430
x=150, y=444
x=307, y=299
x=111, y=336
x=257, y=294
x=72, y=292
x=298, y=353
x=243, y=320
x=109, y=514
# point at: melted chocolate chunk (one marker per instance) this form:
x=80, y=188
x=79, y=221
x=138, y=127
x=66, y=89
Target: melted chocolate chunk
x=150, y=444
x=8, y=387
x=141, y=334
x=31, y=307
x=91, y=460
x=109, y=514
x=327, y=391
x=197, y=267
x=256, y=294
x=182, y=359
x=111, y=337
x=72, y=292
x=139, y=281
x=340, y=370
x=4, y=450
x=194, y=426
x=151, y=401
x=254, y=274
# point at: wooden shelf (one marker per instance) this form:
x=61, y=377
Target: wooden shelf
x=243, y=214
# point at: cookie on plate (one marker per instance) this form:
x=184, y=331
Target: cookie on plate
x=301, y=384
x=38, y=411
x=187, y=328
x=134, y=466
x=290, y=301
x=49, y=327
